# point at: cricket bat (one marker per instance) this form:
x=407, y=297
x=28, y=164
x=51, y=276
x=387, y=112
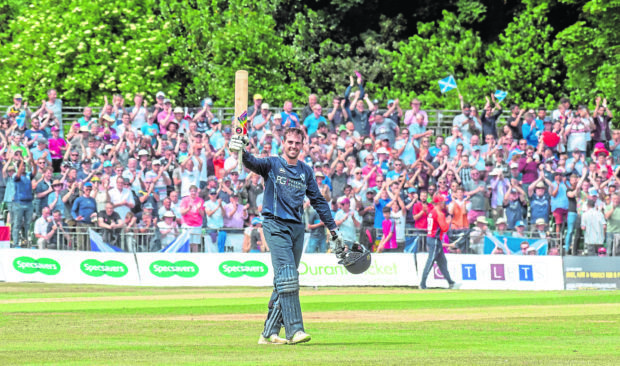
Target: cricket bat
x=241, y=108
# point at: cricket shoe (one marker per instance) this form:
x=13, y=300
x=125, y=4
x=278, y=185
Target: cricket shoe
x=299, y=337
x=454, y=286
x=273, y=339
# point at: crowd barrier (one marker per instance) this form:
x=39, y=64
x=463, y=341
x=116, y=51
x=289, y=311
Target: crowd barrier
x=496, y=272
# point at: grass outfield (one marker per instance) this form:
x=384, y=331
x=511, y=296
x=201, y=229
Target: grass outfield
x=104, y=325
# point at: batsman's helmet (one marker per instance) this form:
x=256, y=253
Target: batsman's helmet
x=356, y=259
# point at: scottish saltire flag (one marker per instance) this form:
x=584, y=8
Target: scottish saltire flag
x=514, y=244
x=500, y=95
x=179, y=245
x=97, y=244
x=447, y=84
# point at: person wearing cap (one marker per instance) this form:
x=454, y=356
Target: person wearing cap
x=164, y=116
x=501, y=227
x=21, y=112
x=287, y=182
x=150, y=129
x=593, y=224
x=55, y=198
x=478, y=233
x=540, y=205
x=519, y=230
x=438, y=225
x=40, y=151
x=235, y=213
x=214, y=213
x=84, y=212
x=384, y=128
x=394, y=111
x=261, y=123
x=57, y=146
x=254, y=237
x=514, y=205
x=540, y=230
x=168, y=228
x=255, y=109
x=22, y=205
x=159, y=175
x=347, y=220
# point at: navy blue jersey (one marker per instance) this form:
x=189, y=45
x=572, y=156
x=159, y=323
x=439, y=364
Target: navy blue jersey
x=286, y=187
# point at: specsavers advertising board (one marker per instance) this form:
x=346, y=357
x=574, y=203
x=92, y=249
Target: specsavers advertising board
x=255, y=269
x=53, y=266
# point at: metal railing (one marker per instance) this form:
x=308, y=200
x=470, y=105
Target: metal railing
x=137, y=239
x=440, y=120
x=468, y=241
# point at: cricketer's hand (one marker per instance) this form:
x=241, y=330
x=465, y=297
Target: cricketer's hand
x=237, y=143
x=338, y=244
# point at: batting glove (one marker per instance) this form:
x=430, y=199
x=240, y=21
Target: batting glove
x=237, y=143
x=338, y=244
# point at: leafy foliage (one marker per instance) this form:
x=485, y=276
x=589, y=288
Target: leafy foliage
x=191, y=50
x=523, y=60
x=590, y=49
x=86, y=49
x=439, y=49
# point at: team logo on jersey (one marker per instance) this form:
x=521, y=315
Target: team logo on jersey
x=303, y=177
x=282, y=171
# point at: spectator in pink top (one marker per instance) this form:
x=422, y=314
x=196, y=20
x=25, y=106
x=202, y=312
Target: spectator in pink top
x=192, y=213
x=410, y=115
x=57, y=147
x=388, y=243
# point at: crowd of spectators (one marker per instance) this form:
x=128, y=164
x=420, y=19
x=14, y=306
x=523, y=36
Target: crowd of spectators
x=142, y=167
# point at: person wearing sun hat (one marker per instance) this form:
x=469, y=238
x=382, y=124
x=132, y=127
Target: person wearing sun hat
x=168, y=228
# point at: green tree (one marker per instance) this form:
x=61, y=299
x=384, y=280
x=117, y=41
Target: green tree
x=523, y=61
x=439, y=49
x=212, y=40
x=590, y=49
x=86, y=50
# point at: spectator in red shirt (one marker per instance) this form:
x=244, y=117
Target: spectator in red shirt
x=438, y=225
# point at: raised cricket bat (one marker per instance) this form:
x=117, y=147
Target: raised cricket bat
x=241, y=108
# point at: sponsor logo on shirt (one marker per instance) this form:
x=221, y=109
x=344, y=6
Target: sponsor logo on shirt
x=285, y=181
